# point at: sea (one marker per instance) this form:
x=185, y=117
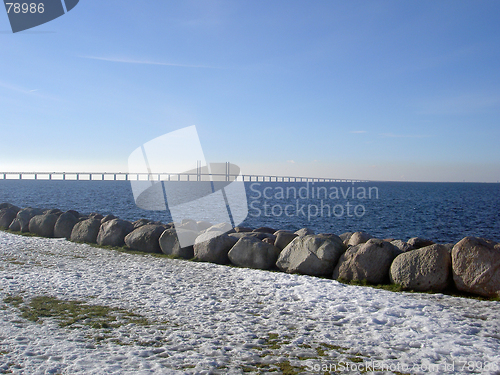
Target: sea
x=442, y=212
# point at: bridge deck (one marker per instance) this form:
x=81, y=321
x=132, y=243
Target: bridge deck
x=125, y=176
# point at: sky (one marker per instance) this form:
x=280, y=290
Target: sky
x=375, y=90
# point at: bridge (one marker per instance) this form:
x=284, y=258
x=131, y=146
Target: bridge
x=198, y=174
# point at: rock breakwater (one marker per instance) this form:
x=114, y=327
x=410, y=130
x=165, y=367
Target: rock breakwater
x=472, y=265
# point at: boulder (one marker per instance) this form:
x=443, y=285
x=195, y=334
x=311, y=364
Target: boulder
x=424, y=269
x=64, y=225
x=476, y=266
x=283, y=239
x=222, y=227
x=113, y=232
x=25, y=215
x=97, y=216
x=311, y=255
x=139, y=223
x=170, y=242
x=107, y=218
x=242, y=229
x=86, y=230
x=270, y=241
x=213, y=249
x=208, y=235
x=7, y=216
x=449, y=246
x=145, y=238
x=9, y=205
x=250, y=252
x=345, y=237
x=259, y=235
x=357, y=238
x=43, y=225
x=75, y=213
x=203, y=225
x=55, y=211
x=15, y=225
x=417, y=242
x=368, y=261
x=401, y=245
x=304, y=232
x=187, y=224
x=265, y=230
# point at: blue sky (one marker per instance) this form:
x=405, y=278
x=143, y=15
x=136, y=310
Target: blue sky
x=382, y=90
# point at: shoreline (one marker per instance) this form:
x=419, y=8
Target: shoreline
x=356, y=258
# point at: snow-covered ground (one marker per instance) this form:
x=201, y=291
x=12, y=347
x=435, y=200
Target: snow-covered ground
x=207, y=318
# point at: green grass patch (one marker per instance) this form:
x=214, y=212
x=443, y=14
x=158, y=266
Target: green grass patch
x=13, y=300
x=74, y=314
x=19, y=233
x=287, y=369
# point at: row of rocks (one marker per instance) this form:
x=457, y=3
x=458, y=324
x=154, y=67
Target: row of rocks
x=472, y=265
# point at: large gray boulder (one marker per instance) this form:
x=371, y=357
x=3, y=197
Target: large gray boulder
x=264, y=230
x=108, y=218
x=240, y=229
x=139, y=223
x=476, y=266
x=15, y=225
x=213, y=247
x=259, y=235
x=25, y=215
x=311, y=255
x=424, y=269
x=145, y=238
x=64, y=225
x=170, y=242
x=221, y=227
x=203, y=225
x=7, y=216
x=357, y=238
x=55, y=211
x=283, y=239
x=86, y=230
x=418, y=242
x=8, y=205
x=345, y=237
x=187, y=224
x=251, y=252
x=113, y=232
x=304, y=232
x=43, y=225
x=402, y=246
x=368, y=261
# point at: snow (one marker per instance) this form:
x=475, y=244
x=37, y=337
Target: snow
x=218, y=319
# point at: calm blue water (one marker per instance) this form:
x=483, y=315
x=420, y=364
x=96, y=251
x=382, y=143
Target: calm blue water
x=443, y=212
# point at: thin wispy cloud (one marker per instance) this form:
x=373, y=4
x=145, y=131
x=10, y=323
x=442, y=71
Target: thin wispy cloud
x=148, y=62
x=18, y=88
x=358, y=131
x=392, y=135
